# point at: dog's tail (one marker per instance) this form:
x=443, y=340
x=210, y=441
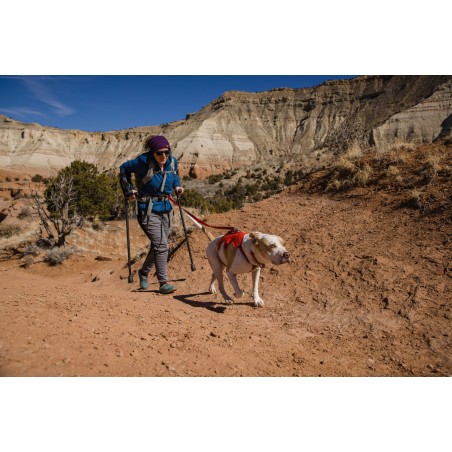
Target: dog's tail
x=200, y=226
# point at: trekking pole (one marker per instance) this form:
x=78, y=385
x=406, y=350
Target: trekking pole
x=193, y=268
x=129, y=262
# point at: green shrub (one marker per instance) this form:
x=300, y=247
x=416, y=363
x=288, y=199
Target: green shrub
x=37, y=178
x=96, y=194
x=214, y=178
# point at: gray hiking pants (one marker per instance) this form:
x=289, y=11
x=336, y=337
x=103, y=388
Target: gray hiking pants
x=156, y=226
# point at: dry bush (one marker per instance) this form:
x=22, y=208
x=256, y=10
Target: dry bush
x=27, y=261
x=362, y=176
x=392, y=173
x=348, y=174
x=401, y=145
x=58, y=255
x=397, y=157
x=8, y=230
x=383, y=160
x=355, y=151
x=25, y=212
x=421, y=200
x=57, y=214
x=432, y=167
x=31, y=249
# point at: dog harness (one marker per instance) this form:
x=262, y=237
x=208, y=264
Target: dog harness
x=232, y=241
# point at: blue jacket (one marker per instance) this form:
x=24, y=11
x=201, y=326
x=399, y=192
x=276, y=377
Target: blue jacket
x=140, y=167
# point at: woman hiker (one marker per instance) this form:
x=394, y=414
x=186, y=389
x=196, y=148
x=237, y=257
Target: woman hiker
x=156, y=175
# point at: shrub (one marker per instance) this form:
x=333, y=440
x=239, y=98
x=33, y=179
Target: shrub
x=31, y=249
x=416, y=200
x=192, y=198
x=95, y=194
x=25, y=212
x=37, y=178
x=27, y=261
x=214, y=178
x=8, y=230
x=58, y=255
x=432, y=167
x=348, y=174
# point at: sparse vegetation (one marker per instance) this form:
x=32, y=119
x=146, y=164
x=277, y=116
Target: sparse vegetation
x=9, y=230
x=37, y=178
x=27, y=261
x=77, y=193
x=31, y=249
x=420, y=175
x=25, y=212
x=254, y=186
x=58, y=255
x=348, y=174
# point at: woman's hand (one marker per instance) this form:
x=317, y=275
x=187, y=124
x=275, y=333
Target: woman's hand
x=179, y=190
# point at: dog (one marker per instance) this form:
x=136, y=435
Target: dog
x=239, y=252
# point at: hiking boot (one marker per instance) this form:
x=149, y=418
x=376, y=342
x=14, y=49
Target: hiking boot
x=166, y=287
x=143, y=280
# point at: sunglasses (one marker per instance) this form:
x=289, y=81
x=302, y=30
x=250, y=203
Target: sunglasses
x=160, y=153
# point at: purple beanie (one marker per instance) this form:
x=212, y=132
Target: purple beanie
x=157, y=142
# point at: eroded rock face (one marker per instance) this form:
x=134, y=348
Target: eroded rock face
x=423, y=123
x=240, y=129
x=44, y=150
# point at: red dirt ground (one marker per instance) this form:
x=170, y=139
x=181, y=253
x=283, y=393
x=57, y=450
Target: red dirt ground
x=367, y=294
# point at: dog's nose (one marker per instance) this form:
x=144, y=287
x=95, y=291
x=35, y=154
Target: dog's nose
x=286, y=255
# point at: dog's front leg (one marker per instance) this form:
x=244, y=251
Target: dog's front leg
x=258, y=302
x=238, y=292
x=212, y=284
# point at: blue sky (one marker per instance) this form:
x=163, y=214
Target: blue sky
x=113, y=102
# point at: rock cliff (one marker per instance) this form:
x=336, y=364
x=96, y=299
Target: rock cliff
x=240, y=129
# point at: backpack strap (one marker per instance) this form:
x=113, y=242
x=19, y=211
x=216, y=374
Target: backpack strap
x=150, y=173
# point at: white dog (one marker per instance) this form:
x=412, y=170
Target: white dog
x=243, y=253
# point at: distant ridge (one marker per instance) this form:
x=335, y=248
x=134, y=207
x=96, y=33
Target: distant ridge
x=306, y=125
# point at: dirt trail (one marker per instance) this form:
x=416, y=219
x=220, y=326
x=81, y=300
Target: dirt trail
x=367, y=294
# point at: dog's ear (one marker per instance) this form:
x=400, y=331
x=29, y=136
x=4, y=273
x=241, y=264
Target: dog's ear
x=256, y=236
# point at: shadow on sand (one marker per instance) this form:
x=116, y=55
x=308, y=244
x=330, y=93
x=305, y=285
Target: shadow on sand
x=210, y=305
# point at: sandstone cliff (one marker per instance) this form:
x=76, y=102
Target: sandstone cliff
x=240, y=129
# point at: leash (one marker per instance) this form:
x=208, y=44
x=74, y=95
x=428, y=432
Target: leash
x=231, y=229
x=228, y=228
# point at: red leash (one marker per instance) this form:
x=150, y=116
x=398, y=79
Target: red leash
x=229, y=228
